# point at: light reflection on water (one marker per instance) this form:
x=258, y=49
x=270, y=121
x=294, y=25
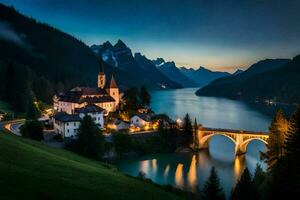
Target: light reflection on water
x=190, y=171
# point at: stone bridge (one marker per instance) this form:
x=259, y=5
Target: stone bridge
x=240, y=138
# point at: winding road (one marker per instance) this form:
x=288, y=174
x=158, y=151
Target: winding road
x=12, y=126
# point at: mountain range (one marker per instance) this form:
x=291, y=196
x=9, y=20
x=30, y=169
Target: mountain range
x=120, y=56
x=270, y=79
x=202, y=76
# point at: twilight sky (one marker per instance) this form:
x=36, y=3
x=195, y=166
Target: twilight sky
x=218, y=34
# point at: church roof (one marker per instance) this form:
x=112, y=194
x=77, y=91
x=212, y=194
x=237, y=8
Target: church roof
x=89, y=91
x=91, y=108
x=85, y=94
x=113, y=82
x=102, y=99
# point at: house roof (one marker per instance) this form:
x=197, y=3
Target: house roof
x=91, y=108
x=91, y=100
x=82, y=95
x=64, y=117
x=143, y=116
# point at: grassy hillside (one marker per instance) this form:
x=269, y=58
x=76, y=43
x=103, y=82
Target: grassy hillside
x=30, y=170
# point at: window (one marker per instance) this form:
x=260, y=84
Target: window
x=67, y=123
x=74, y=123
x=68, y=130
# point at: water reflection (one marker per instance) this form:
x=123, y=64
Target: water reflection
x=166, y=171
x=188, y=170
x=179, y=181
x=192, y=174
x=239, y=166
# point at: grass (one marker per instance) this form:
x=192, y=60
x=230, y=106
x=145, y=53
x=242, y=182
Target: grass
x=31, y=170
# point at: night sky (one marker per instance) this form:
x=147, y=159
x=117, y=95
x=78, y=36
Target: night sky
x=221, y=35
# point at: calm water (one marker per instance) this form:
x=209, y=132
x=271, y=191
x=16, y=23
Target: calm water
x=189, y=171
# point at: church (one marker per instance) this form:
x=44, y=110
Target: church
x=106, y=96
x=71, y=107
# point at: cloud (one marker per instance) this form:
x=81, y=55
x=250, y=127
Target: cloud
x=8, y=33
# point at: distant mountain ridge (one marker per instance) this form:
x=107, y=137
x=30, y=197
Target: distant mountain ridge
x=276, y=79
x=202, y=76
x=172, y=72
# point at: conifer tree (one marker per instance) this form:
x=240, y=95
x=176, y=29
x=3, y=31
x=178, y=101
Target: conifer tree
x=212, y=189
x=195, y=139
x=244, y=188
x=188, y=130
x=145, y=96
x=290, y=169
x=277, y=133
x=292, y=144
x=89, y=138
x=259, y=183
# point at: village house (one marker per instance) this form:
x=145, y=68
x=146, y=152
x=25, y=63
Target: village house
x=140, y=120
x=67, y=124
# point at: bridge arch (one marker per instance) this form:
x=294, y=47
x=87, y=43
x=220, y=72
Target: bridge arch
x=244, y=144
x=204, y=140
x=240, y=138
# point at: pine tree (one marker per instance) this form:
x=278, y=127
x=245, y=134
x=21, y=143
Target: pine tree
x=292, y=144
x=259, y=183
x=32, y=129
x=244, y=188
x=195, y=138
x=131, y=97
x=145, y=96
x=187, y=130
x=275, y=146
x=291, y=165
x=89, y=138
x=212, y=189
x=32, y=111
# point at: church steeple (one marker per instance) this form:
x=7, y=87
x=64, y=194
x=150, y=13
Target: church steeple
x=113, y=82
x=101, y=77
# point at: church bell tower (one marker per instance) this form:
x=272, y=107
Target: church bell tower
x=101, y=77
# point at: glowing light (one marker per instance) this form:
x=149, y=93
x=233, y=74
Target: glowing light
x=179, y=175
x=178, y=121
x=154, y=165
x=167, y=169
x=147, y=127
x=144, y=166
x=192, y=174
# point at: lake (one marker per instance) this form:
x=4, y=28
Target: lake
x=188, y=170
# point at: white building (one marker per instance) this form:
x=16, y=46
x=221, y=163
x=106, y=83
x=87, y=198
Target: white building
x=106, y=96
x=95, y=112
x=67, y=124
x=140, y=120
